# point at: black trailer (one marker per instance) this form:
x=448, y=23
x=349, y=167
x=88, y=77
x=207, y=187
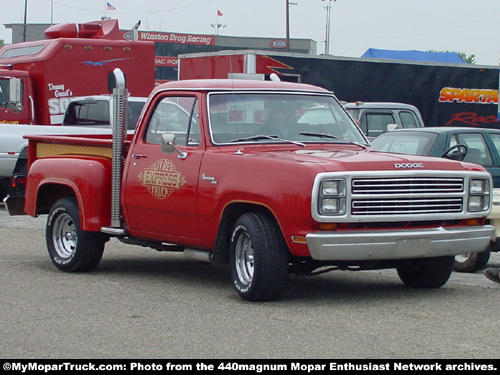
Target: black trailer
x=445, y=93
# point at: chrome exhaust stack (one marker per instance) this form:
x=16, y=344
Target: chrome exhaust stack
x=118, y=124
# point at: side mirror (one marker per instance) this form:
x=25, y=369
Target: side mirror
x=391, y=127
x=15, y=94
x=456, y=152
x=168, y=145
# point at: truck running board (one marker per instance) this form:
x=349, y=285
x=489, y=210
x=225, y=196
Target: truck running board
x=202, y=256
x=113, y=231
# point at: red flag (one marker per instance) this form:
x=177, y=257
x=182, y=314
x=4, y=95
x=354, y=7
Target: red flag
x=219, y=13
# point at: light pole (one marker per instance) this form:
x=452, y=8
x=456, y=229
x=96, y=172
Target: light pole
x=25, y=19
x=217, y=26
x=288, y=3
x=327, y=38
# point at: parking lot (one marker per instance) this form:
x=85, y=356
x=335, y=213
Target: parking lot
x=140, y=303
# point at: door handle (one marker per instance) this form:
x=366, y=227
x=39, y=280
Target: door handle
x=139, y=156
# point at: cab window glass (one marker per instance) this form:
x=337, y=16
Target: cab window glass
x=376, y=123
x=87, y=113
x=134, y=110
x=453, y=141
x=354, y=112
x=278, y=118
x=408, y=119
x=496, y=141
x=478, y=151
x=23, y=51
x=178, y=116
x=5, y=93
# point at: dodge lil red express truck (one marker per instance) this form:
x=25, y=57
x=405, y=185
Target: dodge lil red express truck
x=238, y=172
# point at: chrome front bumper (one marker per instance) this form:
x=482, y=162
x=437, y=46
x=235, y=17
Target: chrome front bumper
x=404, y=244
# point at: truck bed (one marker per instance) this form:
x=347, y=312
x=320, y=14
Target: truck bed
x=42, y=146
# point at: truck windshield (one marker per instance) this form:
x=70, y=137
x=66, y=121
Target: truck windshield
x=270, y=118
x=5, y=94
x=4, y=91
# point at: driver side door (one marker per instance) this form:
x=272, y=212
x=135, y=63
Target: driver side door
x=160, y=192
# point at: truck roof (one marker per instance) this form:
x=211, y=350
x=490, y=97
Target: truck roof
x=106, y=97
x=379, y=105
x=447, y=129
x=44, y=50
x=238, y=84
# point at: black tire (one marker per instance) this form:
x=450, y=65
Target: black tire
x=427, y=273
x=258, y=258
x=70, y=248
x=471, y=262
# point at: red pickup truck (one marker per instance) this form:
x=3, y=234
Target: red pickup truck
x=230, y=171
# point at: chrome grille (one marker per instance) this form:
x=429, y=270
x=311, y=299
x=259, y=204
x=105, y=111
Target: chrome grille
x=407, y=185
x=406, y=206
x=406, y=195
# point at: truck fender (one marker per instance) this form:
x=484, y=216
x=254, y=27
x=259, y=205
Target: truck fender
x=88, y=179
x=229, y=214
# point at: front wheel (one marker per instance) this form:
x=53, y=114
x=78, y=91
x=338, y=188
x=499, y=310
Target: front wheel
x=70, y=248
x=427, y=273
x=471, y=262
x=258, y=258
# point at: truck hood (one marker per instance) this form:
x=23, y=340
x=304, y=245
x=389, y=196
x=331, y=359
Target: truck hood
x=368, y=160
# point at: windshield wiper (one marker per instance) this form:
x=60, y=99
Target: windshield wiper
x=264, y=136
x=254, y=138
x=331, y=136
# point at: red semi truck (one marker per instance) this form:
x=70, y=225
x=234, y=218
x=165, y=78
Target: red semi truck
x=37, y=79
x=229, y=171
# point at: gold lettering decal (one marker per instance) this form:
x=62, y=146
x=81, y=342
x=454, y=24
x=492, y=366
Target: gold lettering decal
x=161, y=179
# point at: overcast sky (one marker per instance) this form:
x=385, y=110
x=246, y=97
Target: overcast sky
x=465, y=26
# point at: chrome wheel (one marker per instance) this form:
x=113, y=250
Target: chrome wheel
x=64, y=236
x=258, y=257
x=244, y=259
x=71, y=249
x=462, y=257
x=471, y=262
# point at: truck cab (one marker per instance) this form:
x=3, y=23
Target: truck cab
x=16, y=97
x=376, y=118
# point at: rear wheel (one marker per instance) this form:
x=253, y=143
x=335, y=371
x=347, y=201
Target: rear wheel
x=471, y=262
x=258, y=258
x=427, y=273
x=70, y=248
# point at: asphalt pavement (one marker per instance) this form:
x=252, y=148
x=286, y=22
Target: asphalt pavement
x=140, y=303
